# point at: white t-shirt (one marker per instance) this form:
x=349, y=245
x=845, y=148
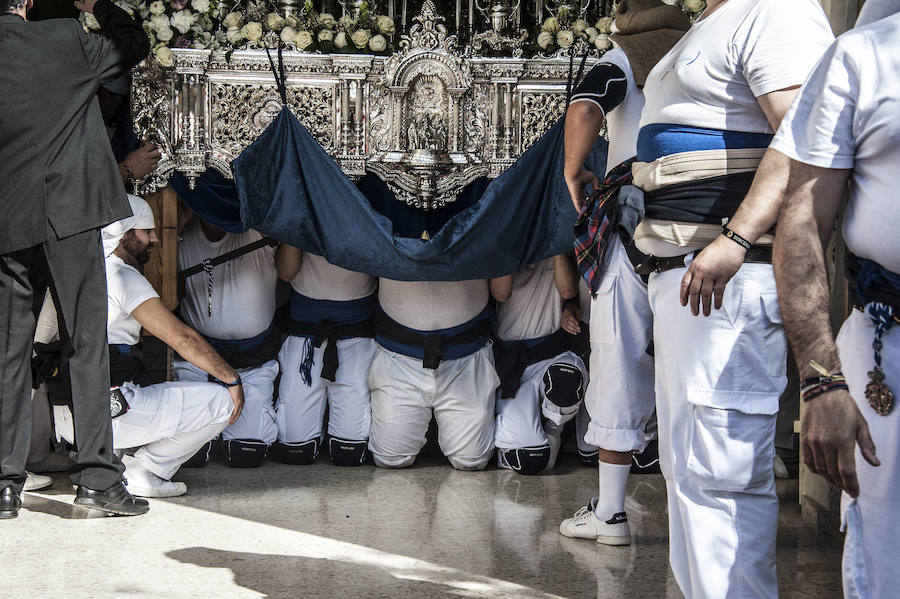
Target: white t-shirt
x=319, y=279
x=432, y=305
x=744, y=49
x=875, y=10
x=534, y=307
x=847, y=116
x=622, y=122
x=243, y=293
x=126, y=289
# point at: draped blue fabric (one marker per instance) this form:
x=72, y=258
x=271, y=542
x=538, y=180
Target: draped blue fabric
x=290, y=189
x=214, y=198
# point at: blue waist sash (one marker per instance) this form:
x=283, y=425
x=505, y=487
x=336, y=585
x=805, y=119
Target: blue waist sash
x=663, y=139
x=307, y=309
x=434, y=346
x=252, y=352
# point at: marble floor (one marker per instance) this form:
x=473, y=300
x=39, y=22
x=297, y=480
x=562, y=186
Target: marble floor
x=322, y=531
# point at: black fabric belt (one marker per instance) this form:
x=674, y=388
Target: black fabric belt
x=511, y=358
x=254, y=357
x=125, y=367
x=433, y=345
x=655, y=264
x=706, y=200
x=884, y=293
x=327, y=331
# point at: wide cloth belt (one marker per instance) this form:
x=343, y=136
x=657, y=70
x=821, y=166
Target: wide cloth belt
x=330, y=333
x=655, y=264
x=870, y=290
x=249, y=353
x=512, y=358
x=433, y=345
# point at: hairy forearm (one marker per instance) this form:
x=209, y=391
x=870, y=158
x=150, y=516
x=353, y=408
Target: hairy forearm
x=758, y=212
x=565, y=276
x=583, y=123
x=191, y=346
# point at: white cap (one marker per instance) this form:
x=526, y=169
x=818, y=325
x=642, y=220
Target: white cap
x=141, y=218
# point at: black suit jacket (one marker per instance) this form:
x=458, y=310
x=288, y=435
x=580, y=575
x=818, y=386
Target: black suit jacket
x=57, y=171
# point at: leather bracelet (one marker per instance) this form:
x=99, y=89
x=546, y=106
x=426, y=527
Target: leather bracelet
x=735, y=238
x=819, y=385
x=233, y=383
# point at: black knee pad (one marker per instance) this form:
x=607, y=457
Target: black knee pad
x=297, y=454
x=347, y=453
x=563, y=385
x=527, y=460
x=244, y=453
x=201, y=458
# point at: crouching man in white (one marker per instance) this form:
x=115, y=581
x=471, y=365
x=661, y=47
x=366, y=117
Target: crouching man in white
x=433, y=355
x=326, y=357
x=167, y=422
x=542, y=380
x=233, y=306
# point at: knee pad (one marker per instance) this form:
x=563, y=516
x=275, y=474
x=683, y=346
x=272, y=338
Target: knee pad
x=297, y=454
x=526, y=460
x=244, y=453
x=347, y=453
x=563, y=385
x=201, y=458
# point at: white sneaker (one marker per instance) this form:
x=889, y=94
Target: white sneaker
x=142, y=483
x=36, y=482
x=585, y=525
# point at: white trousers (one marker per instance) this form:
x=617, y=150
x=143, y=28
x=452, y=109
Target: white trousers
x=459, y=392
x=620, y=397
x=300, y=409
x=872, y=542
x=718, y=380
x=519, y=418
x=169, y=422
x=257, y=419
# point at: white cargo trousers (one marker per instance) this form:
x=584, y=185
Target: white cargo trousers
x=718, y=380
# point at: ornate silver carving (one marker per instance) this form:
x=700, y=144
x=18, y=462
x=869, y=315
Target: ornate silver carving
x=540, y=110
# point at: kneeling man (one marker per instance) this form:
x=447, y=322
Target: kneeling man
x=433, y=355
x=542, y=380
x=167, y=422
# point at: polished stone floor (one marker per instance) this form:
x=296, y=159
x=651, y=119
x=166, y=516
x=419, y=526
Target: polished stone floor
x=321, y=531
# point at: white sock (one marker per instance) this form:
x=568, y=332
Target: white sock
x=611, y=499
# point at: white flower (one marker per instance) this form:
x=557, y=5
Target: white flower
x=579, y=25
x=378, y=43
x=604, y=24
x=274, y=21
x=252, y=31
x=602, y=42
x=544, y=39
x=326, y=19
x=670, y=2
x=565, y=38
x=157, y=7
x=291, y=21
x=201, y=6
x=164, y=56
x=158, y=22
x=303, y=40
x=385, y=25
x=182, y=20
x=694, y=6
x=340, y=40
x=551, y=25
x=288, y=34
x=360, y=38
x=591, y=33
x=233, y=19
x=90, y=21
x=234, y=36
x=164, y=34
x=326, y=35
x=347, y=23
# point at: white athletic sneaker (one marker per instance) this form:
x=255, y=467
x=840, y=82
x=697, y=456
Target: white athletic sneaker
x=141, y=482
x=36, y=482
x=585, y=525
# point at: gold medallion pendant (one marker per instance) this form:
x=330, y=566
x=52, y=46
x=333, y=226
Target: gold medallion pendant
x=880, y=396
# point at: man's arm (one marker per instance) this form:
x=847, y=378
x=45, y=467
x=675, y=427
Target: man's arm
x=501, y=288
x=287, y=262
x=190, y=345
x=711, y=270
x=831, y=424
x=122, y=45
x=583, y=123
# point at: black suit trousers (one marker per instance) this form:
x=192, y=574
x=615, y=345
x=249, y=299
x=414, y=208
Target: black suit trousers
x=74, y=270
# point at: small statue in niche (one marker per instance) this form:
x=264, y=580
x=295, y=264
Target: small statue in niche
x=412, y=137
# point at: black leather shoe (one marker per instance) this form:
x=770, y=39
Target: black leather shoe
x=114, y=500
x=10, y=502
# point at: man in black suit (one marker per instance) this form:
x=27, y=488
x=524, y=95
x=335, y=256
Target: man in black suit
x=58, y=185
